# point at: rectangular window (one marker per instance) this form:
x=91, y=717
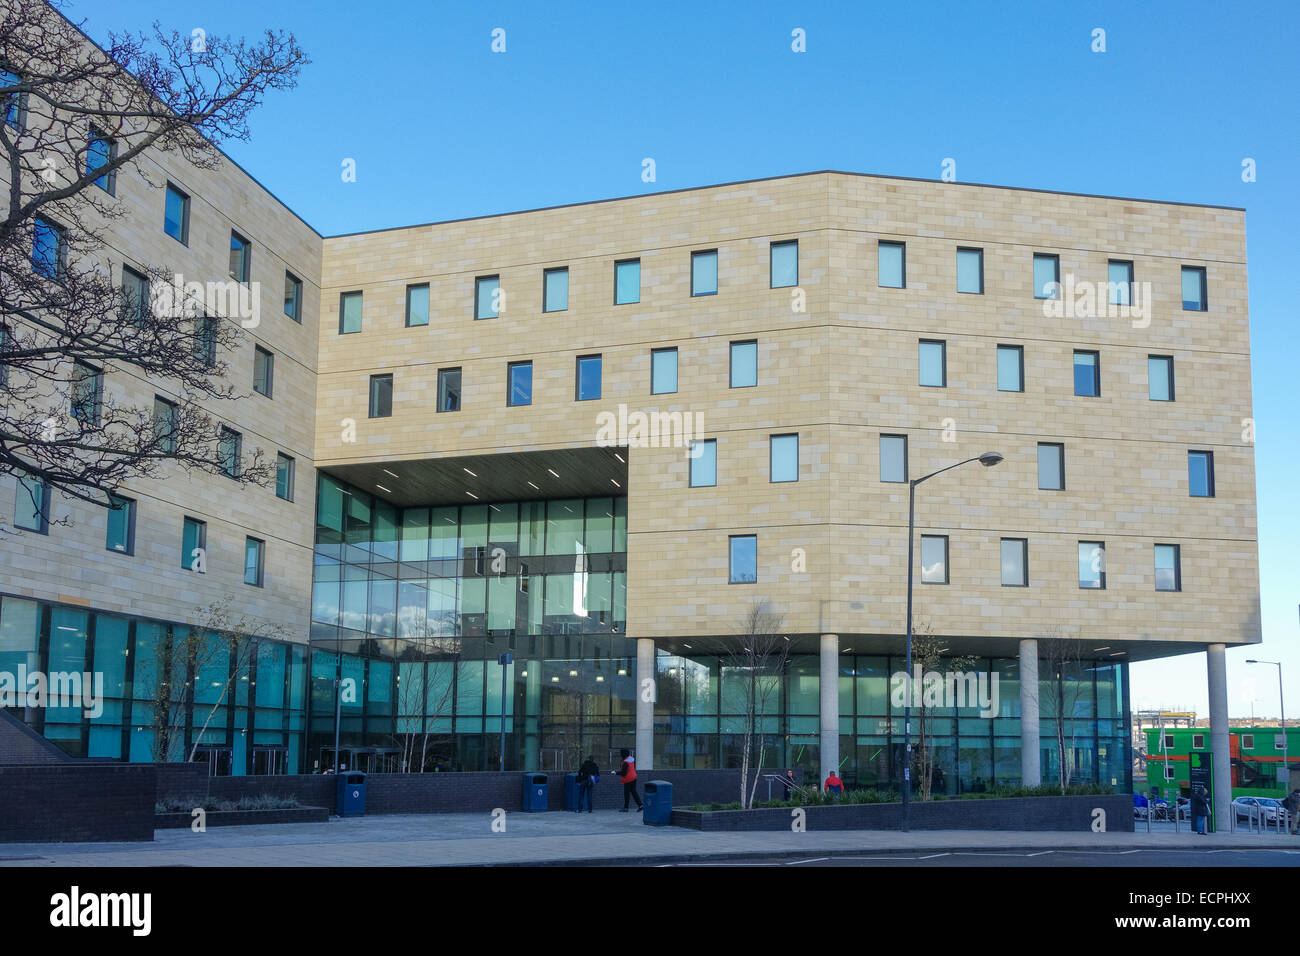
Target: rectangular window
x=783, y=458
x=1087, y=374
x=194, y=542
x=166, y=425
x=891, y=258
x=1092, y=564
x=417, y=305
x=254, y=554
x=1015, y=563
x=293, y=297
x=1169, y=770
x=784, y=263
x=1047, y=276
x=587, y=379
x=932, y=361
x=15, y=103
x=1119, y=281
x=1011, y=368
x=176, y=214
x=349, y=312
x=663, y=371
x=241, y=253
x=135, y=296
x=1200, y=474
x=263, y=371
x=1194, y=297
x=448, y=389
x=230, y=450
x=934, y=559
x=487, y=297
x=627, y=282
x=87, y=393
x=555, y=290
x=704, y=463
x=121, y=525
x=744, y=559
x=49, y=250
x=100, y=151
x=1198, y=741
x=744, y=364
x=1247, y=741
x=284, y=469
x=704, y=272
x=1169, y=575
x=519, y=383
x=1051, y=466
x=1160, y=377
x=381, y=396
x=970, y=271
x=32, y=505
x=893, y=458
x=205, y=339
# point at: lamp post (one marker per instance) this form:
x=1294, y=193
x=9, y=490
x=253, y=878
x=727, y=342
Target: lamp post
x=504, y=660
x=988, y=460
x=1282, y=704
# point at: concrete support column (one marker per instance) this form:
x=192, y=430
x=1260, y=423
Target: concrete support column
x=1217, y=677
x=1031, y=769
x=829, y=685
x=646, y=693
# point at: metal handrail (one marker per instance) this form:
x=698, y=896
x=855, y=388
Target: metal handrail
x=785, y=782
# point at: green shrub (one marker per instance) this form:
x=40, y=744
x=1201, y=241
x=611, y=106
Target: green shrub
x=265, y=801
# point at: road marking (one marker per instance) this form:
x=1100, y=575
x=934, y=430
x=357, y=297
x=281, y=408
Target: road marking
x=1041, y=853
x=932, y=856
x=817, y=860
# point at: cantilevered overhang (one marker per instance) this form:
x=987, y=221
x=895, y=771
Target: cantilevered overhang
x=511, y=476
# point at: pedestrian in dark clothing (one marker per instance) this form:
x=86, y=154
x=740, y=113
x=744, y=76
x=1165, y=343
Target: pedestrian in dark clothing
x=1200, y=810
x=1292, y=804
x=588, y=774
x=788, y=782
x=627, y=773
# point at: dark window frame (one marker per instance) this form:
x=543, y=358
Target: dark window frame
x=731, y=568
x=1060, y=459
x=771, y=450
x=1096, y=372
x=627, y=262
x=1024, y=562
x=676, y=370
x=184, y=237
x=361, y=322
x=771, y=249
x=460, y=397
x=478, y=284
x=131, y=506
x=690, y=469
x=1170, y=378
x=225, y=434
x=1178, y=567
x=731, y=362
x=372, y=406
x=943, y=362
x=902, y=262
x=1056, y=259
x=200, y=541
x=43, y=508
x=428, y=306
x=510, y=384
x=546, y=278
x=1101, y=572
x=1020, y=355
x=577, y=377
x=881, y=461
x=979, y=251
x=97, y=135
x=695, y=254
x=292, y=282
x=268, y=366
x=261, y=561
x=1209, y=472
x=292, y=472
x=947, y=553
x=246, y=257
x=1205, y=288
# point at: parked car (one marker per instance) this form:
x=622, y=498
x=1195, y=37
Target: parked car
x=1258, y=809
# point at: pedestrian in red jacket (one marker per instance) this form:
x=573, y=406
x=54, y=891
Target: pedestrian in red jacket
x=833, y=784
x=627, y=773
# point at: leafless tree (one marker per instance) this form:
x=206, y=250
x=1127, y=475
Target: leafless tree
x=928, y=655
x=426, y=701
x=1061, y=690
x=73, y=117
x=756, y=656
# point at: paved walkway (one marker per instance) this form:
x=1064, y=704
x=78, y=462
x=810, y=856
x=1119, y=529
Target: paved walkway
x=605, y=836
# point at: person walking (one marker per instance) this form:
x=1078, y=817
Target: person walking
x=1292, y=804
x=627, y=773
x=834, y=785
x=789, y=783
x=1200, y=810
x=588, y=774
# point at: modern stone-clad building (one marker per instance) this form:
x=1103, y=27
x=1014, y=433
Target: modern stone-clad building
x=599, y=437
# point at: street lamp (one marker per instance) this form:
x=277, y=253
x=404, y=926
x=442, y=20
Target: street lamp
x=1282, y=704
x=988, y=460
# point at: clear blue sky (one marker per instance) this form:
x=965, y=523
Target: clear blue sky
x=440, y=128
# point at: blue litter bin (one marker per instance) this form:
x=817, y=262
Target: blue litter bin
x=351, y=800
x=535, y=792
x=658, y=803
x=571, y=792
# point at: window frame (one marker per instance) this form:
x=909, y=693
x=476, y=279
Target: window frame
x=245, y=274
x=344, y=297
x=168, y=442
x=205, y=339
x=881, y=462
x=1096, y=372
x=881, y=246
x=577, y=377
x=731, y=557
x=60, y=263
x=690, y=470
x=1024, y=562
x=731, y=362
x=19, y=124
x=510, y=383
x=236, y=464
x=1177, y=566
x=978, y=251
x=1056, y=269
x=920, y=555
x=129, y=543
x=375, y=397
x=676, y=370
x=184, y=237
x=771, y=458
x=136, y=315
x=200, y=541
x=23, y=492
x=428, y=305
x=97, y=135
x=1205, y=287
x=1060, y=461
x=1169, y=377
x=478, y=296
x=695, y=257
x=1209, y=472
x=81, y=372
x=943, y=362
x=443, y=374
x=293, y=286
x=260, y=565
x=546, y=279
x=1127, y=283
x=1020, y=371
x=291, y=471
x=1097, y=546
x=268, y=367
x=771, y=255
x=628, y=262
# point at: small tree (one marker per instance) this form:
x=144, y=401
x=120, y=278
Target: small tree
x=1061, y=692
x=928, y=654
x=757, y=656
x=426, y=700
